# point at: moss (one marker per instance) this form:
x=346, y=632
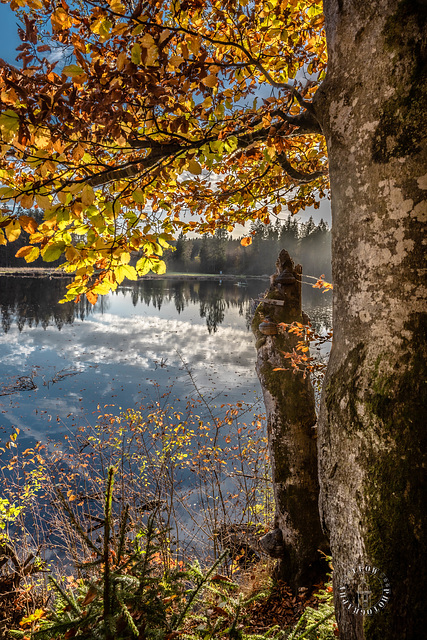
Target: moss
x=396, y=488
x=401, y=125
x=342, y=385
x=393, y=514
x=260, y=343
x=402, y=122
x=407, y=10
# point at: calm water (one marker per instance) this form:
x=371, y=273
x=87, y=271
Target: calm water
x=59, y=362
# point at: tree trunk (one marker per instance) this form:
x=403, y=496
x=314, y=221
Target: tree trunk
x=291, y=418
x=372, y=431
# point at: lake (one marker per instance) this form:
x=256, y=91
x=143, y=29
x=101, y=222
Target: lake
x=147, y=339
x=180, y=345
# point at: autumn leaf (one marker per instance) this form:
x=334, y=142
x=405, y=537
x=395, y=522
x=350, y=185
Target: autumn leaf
x=26, y=200
x=88, y=195
x=125, y=271
x=136, y=53
x=121, y=60
x=210, y=81
x=159, y=267
x=103, y=145
x=245, y=242
x=29, y=253
x=138, y=195
x=33, y=617
x=92, y=297
x=194, y=167
x=13, y=231
x=52, y=251
x=9, y=124
x=28, y=224
x=152, y=52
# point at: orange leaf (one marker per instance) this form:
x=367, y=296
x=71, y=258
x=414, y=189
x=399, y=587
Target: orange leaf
x=28, y=224
x=245, y=242
x=92, y=297
x=23, y=251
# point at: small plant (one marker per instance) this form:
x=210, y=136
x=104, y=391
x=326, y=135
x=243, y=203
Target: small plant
x=317, y=624
x=126, y=590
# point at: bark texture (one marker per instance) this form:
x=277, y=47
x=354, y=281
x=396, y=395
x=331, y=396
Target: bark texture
x=372, y=429
x=291, y=418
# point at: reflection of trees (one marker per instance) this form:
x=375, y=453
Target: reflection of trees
x=214, y=297
x=212, y=305
x=34, y=302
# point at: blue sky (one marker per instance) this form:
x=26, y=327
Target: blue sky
x=9, y=35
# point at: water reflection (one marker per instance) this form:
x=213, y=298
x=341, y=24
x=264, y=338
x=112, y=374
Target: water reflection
x=127, y=349
x=212, y=296
x=34, y=301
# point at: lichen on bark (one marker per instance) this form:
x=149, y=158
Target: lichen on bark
x=372, y=436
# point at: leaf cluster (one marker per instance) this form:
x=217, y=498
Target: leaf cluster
x=127, y=123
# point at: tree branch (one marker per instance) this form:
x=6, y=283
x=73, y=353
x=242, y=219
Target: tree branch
x=294, y=173
x=306, y=121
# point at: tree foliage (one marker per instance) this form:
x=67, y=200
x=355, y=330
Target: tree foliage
x=128, y=122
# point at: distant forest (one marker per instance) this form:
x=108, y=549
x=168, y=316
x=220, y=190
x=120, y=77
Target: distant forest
x=307, y=243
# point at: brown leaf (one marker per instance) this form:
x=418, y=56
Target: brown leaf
x=92, y=593
x=28, y=224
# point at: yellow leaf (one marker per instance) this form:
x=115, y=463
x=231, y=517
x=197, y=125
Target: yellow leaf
x=194, y=43
x=159, y=267
x=42, y=138
x=136, y=53
x=102, y=287
x=194, y=167
x=13, y=231
x=37, y=615
x=88, y=195
x=124, y=257
x=71, y=254
x=143, y=266
x=52, y=251
x=138, y=195
x=61, y=20
x=2, y=238
x=102, y=26
x=28, y=253
x=9, y=124
x=42, y=201
x=245, y=242
x=152, y=53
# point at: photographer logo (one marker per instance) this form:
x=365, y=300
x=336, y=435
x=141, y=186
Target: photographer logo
x=367, y=591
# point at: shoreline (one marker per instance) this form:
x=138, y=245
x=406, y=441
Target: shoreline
x=42, y=272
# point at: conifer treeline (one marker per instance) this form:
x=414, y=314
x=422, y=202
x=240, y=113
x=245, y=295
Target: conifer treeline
x=307, y=243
